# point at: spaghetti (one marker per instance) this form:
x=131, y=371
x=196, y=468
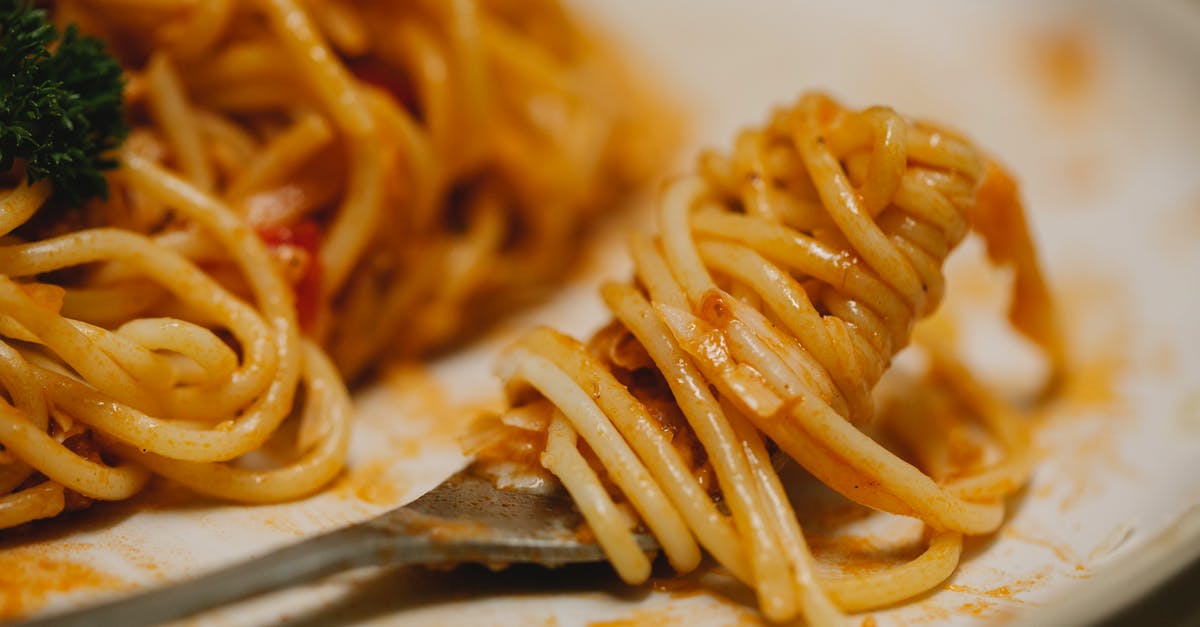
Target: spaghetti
x=419, y=167
x=782, y=281
x=303, y=178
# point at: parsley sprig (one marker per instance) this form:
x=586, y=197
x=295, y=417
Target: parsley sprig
x=60, y=104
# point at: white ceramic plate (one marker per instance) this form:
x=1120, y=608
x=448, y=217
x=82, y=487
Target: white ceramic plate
x=1095, y=106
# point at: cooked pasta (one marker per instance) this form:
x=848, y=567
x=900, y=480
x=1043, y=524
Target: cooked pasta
x=784, y=277
x=302, y=178
x=420, y=167
x=92, y=411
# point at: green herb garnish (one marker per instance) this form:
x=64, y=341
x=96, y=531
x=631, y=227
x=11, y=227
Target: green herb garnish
x=60, y=103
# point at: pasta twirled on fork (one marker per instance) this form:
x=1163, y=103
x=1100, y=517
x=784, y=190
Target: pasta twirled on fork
x=784, y=278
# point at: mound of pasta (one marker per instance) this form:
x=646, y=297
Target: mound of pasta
x=785, y=276
x=362, y=180
x=418, y=167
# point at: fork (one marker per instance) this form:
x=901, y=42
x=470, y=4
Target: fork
x=465, y=519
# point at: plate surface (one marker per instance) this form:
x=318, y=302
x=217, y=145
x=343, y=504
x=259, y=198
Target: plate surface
x=1094, y=107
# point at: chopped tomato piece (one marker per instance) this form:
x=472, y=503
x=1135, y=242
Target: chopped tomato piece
x=297, y=249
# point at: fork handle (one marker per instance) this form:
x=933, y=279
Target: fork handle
x=306, y=561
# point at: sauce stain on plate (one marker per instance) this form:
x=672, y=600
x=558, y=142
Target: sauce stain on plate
x=1007, y=592
x=1064, y=61
x=1100, y=345
x=373, y=482
x=678, y=615
x=31, y=576
x=1058, y=549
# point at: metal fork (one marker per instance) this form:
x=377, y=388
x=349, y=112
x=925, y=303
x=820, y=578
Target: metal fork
x=465, y=519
